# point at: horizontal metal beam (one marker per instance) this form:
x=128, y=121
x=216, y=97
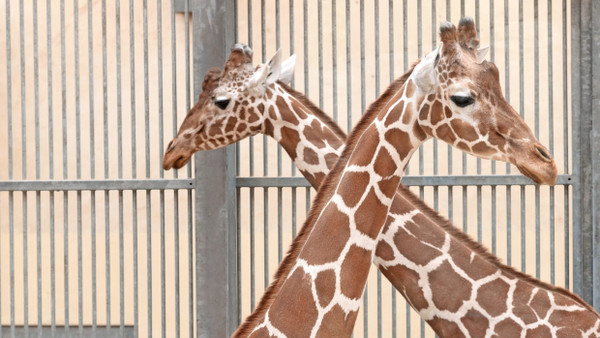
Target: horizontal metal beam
x=78, y=185
x=244, y=182
x=61, y=331
x=419, y=181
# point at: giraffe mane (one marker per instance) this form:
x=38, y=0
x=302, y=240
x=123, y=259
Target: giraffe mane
x=479, y=249
x=328, y=187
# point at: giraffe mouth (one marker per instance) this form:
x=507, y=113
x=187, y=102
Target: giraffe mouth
x=529, y=174
x=545, y=175
x=180, y=162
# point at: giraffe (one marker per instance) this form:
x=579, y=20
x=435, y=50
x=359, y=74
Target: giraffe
x=427, y=221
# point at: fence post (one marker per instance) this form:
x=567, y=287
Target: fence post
x=585, y=40
x=216, y=237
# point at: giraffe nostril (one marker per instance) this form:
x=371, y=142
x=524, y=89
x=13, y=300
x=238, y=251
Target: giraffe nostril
x=543, y=154
x=170, y=145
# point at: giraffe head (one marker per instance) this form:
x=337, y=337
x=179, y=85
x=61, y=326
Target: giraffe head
x=464, y=106
x=230, y=107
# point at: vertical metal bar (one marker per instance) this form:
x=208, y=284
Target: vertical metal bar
x=252, y=251
x=391, y=78
x=250, y=43
x=161, y=171
x=292, y=48
x=263, y=29
x=493, y=56
x=294, y=206
x=377, y=90
x=176, y=262
x=407, y=320
x=11, y=221
x=65, y=167
x=391, y=38
x=448, y=147
x=134, y=166
x=188, y=90
x=24, y=168
x=191, y=203
x=215, y=213
x=11, y=224
x=121, y=267
x=305, y=50
x=494, y=219
x=277, y=22
x=537, y=231
x=239, y=252
x=565, y=82
x=307, y=195
x=279, y=224
x=266, y=236
x=6, y=22
x=175, y=192
x=420, y=52
x=479, y=229
x=163, y=298
x=334, y=55
x=507, y=95
x=464, y=206
x=594, y=159
x=363, y=99
x=551, y=133
x=149, y=259
x=263, y=36
x=93, y=246
x=279, y=148
x=586, y=141
x=521, y=66
x=348, y=70
x=38, y=211
x=579, y=53
x=537, y=127
x=522, y=112
x=523, y=232
x=508, y=225
x=320, y=49
x=147, y=166
x=120, y=167
x=78, y=152
x=405, y=63
x=50, y=152
x=106, y=162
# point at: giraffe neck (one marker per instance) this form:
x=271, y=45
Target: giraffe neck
x=325, y=284
x=314, y=143
x=311, y=139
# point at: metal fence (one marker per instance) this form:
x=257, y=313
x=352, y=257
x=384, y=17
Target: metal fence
x=96, y=238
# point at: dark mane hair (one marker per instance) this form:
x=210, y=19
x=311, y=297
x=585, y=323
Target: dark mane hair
x=325, y=192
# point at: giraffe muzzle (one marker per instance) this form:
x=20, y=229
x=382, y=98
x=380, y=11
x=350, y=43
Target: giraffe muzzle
x=539, y=165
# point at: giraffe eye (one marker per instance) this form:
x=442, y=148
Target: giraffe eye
x=462, y=101
x=222, y=103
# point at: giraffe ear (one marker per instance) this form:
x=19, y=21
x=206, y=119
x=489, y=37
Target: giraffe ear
x=287, y=69
x=274, y=67
x=259, y=77
x=481, y=53
x=424, y=72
